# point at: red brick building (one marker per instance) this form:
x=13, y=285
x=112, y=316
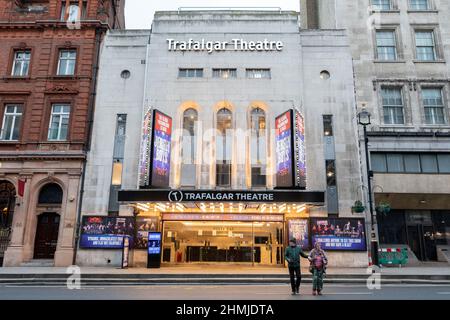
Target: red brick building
x=49, y=52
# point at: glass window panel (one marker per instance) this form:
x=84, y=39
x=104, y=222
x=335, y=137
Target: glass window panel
x=392, y=100
x=429, y=163
x=381, y=4
x=412, y=163
x=444, y=163
x=425, y=46
x=378, y=162
x=418, y=4
x=395, y=162
x=434, y=105
x=386, y=45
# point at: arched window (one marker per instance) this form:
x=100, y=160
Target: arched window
x=223, y=147
x=258, y=147
x=189, y=147
x=50, y=194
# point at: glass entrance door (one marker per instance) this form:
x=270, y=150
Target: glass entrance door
x=422, y=242
x=222, y=242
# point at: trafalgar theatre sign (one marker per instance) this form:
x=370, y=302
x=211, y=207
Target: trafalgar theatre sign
x=167, y=195
x=216, y=46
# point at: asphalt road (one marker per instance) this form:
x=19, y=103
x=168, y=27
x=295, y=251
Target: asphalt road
x=228, y=292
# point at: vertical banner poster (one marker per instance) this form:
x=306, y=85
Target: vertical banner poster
x=284, y=152
x=160, y=151
x=106, y=232
x=125, y=251
x=300, y=154
x=144, y=157
x=298, y=229
x=340, y=234
x=143, y=226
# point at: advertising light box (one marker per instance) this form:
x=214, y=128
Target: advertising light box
x=340, y=234
x=154, y=243
x=284, y=150
x=106, y=232
x=160, y=153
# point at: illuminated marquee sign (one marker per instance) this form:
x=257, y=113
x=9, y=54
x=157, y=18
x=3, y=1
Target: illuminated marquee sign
x=217, y=46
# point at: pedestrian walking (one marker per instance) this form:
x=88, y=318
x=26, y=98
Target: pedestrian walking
x=292, y=255
x=319, y=261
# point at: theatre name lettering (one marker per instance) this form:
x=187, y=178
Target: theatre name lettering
x=233, y=45
x=219, y=196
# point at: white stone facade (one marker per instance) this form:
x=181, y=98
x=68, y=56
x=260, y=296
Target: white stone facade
x=295, y=82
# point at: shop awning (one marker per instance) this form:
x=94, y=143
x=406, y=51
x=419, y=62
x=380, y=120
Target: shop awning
x=237, y=196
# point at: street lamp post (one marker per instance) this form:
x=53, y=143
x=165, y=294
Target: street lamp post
x=364, y=120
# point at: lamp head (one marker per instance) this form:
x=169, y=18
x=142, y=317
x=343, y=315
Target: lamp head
x=364, y=117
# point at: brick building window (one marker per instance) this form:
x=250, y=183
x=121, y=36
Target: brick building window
x=71, y=12
x=59, y=122
x=21, y=63
x=11, y=122
x=66, y=62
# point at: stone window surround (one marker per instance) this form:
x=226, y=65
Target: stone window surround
x=414, y=85
x=438, y=44
x=407, y=114
x=445, y=97
x=398, y=42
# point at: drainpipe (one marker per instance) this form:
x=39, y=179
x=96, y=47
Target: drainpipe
x=87, y=147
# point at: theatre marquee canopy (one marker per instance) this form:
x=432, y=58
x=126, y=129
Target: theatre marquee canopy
x=167, y=195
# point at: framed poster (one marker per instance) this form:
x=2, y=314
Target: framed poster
x=340, y=234
x=160, y=150
x=106, y=232
x=299, y=229
x=125, y=251
x=143, y=226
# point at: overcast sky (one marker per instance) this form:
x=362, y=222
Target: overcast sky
x=139, y=13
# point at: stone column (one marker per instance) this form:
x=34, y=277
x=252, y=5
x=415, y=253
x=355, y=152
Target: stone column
x=65, y=249
x=14, y=252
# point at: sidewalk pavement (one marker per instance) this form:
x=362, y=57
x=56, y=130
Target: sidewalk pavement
x=443, y=270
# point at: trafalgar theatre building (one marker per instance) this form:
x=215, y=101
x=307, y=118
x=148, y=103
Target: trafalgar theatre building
x=222, y=134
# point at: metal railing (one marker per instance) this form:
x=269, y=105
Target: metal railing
x=5, y=237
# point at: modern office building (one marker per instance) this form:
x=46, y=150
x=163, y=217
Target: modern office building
x=49, y=58
x=228, y=132
x=401, y=54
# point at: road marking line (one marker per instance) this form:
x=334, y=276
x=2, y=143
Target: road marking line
x=443, y=292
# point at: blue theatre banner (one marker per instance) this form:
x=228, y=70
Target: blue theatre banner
x=99, y=232
x=340, y=234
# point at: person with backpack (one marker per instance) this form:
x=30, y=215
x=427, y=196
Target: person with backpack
x=292, y=256
x=319, y=261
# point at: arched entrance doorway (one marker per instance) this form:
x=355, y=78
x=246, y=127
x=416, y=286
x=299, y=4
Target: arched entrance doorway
x=7, y=205
x=47, y=228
